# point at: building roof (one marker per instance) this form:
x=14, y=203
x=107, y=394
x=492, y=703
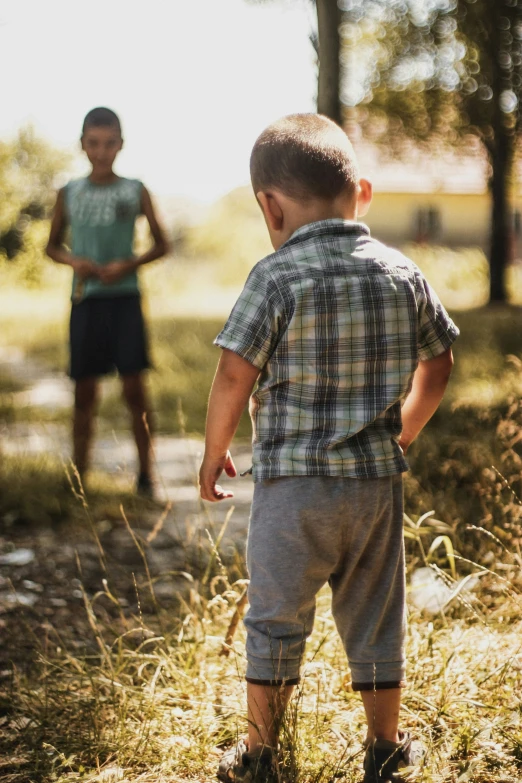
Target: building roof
x=447, y=173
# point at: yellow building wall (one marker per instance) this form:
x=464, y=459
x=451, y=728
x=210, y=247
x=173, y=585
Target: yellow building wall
x=464, y=219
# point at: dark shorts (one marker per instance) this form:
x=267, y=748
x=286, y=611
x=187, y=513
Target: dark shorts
x=107, y=334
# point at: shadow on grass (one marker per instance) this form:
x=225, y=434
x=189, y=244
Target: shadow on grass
x=40, y=490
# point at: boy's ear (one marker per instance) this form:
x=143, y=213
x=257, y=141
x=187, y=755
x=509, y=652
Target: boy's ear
x=364, y=197
x=271, y=209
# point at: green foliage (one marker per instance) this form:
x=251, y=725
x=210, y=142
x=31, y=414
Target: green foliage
x=434, y=68
x=395, y=68
x=31, y=262
x=29, y=167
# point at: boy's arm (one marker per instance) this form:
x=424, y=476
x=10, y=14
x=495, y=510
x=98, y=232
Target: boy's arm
x=161, y=246
x=231, y=389
x=428, y=387
x=83, y=267
x=117, y=269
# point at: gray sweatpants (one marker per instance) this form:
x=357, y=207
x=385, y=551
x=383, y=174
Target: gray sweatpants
x=304, y=532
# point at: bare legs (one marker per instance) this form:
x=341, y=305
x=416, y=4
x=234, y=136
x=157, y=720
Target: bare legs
x=85, y=403
x=266, y=707
x=382, y=713
x=85, y=399
x=136, y=398
x=267, y=704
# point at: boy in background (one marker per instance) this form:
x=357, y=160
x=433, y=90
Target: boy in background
x=351, y=352
x=107, y=330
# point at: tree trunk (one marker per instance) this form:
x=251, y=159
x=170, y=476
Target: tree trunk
x=329, y=82
x=501, y=148
x=500, y=227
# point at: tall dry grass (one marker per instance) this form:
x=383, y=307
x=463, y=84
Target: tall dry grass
x=155, y=699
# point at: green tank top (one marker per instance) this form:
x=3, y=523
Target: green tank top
x=102, y=219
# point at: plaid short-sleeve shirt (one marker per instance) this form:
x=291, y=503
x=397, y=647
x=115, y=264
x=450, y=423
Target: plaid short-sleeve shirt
x=336, y=322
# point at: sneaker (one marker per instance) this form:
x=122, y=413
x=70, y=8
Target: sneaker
x=383, y=759
x=145, y=486
x=238, y=765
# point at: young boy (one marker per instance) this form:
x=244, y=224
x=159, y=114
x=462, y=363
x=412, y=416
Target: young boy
x=339, y=332
x=107, y=331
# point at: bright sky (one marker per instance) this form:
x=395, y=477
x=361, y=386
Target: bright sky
x=194, y=81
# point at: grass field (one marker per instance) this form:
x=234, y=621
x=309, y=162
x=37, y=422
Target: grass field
x=476, y=427
x=146, y=695
x=153, y=697
x=187, y=305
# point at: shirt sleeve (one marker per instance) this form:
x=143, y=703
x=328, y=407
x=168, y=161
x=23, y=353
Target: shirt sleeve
x=436, y=332
x=254, y=325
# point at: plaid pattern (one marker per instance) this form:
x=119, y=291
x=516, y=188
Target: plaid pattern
x=336, y=322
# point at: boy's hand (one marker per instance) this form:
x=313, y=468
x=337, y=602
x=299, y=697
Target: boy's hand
x=115, y=271
x=210, y=471
x=233, y=383
x=85, y=268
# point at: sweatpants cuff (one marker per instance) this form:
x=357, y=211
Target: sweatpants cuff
x=377, y=686
x=377, y=675
x=274, y=683
x=272, y=670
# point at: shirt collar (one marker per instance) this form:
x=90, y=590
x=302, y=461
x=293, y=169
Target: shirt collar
x=332, y=226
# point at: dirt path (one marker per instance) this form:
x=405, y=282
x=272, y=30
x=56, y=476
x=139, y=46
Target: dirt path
x=177, y=459
x=47, y=573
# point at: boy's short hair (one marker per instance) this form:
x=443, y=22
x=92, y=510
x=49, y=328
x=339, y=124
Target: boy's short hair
x=101, y=117
x=305, y=156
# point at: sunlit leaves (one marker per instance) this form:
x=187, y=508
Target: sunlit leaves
x=28, y=169
x=434, y=67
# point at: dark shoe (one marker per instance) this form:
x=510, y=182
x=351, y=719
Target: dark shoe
x=384, y=759
x=240, y=766
x=145, y=486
